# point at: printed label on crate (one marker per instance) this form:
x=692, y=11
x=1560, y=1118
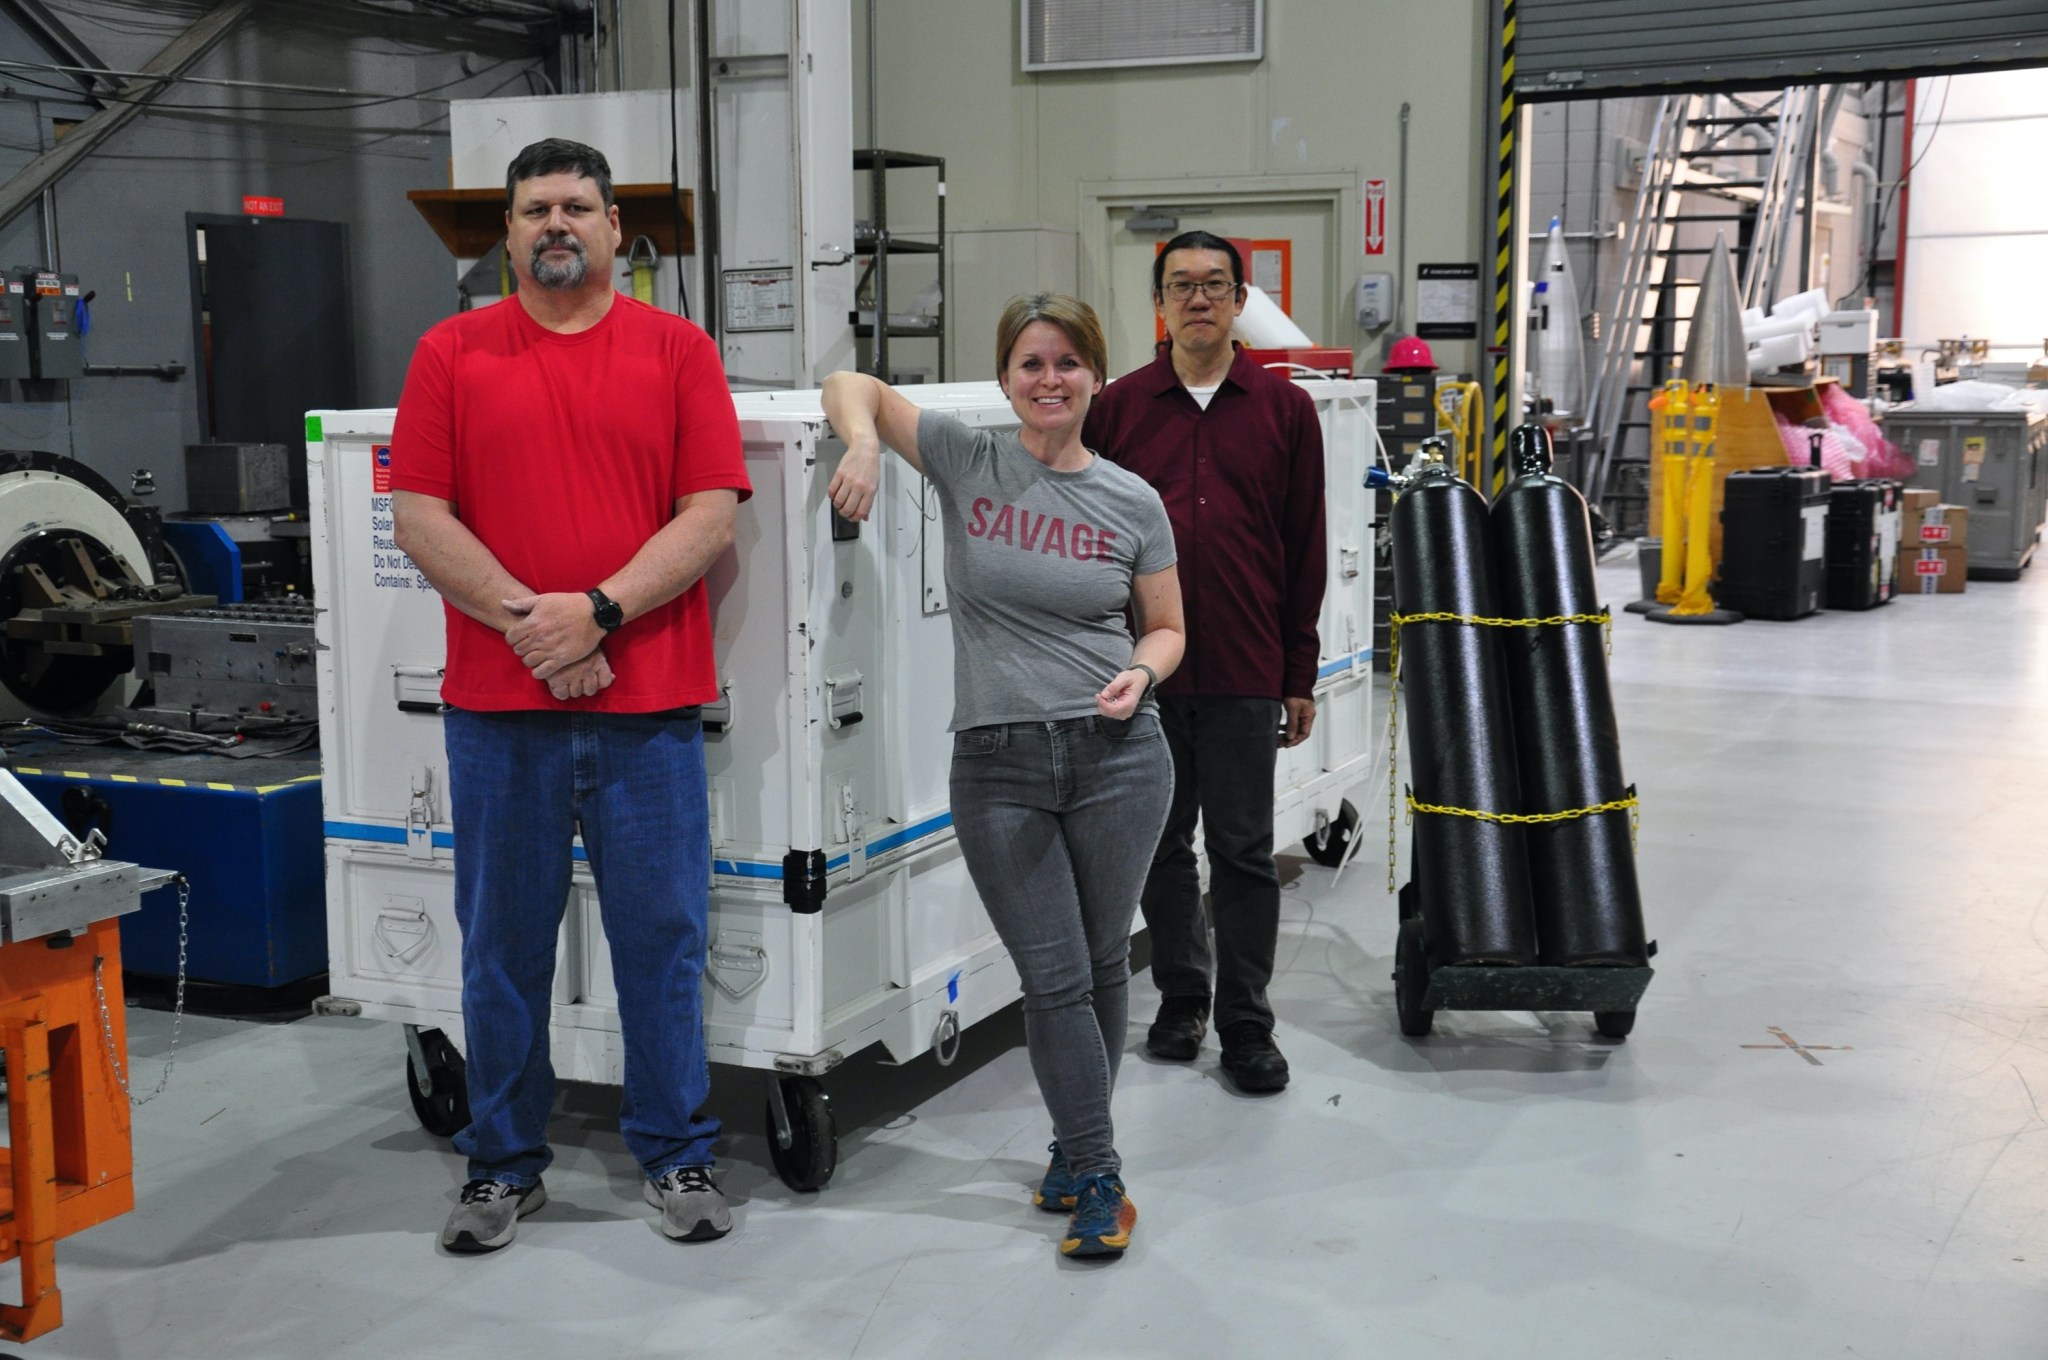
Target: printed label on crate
x=1931, y=565
x=1934, y=533
x=1930, y=453
x=1973, y=457
x=380, y=469
x=390, y=569
x=1815, y=518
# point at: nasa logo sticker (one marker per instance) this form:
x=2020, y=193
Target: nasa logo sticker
x=380, y=475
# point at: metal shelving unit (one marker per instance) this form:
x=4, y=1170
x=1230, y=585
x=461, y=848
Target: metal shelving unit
x=880, y=244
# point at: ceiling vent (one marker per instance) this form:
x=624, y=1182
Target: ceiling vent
x=1078, y=35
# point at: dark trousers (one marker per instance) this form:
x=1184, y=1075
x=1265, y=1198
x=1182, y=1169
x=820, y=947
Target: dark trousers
x=1224, y=753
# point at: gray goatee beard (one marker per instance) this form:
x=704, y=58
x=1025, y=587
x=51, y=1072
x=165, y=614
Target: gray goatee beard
x=557, y=277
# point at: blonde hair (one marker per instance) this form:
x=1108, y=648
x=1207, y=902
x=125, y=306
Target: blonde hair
x=1074, y=317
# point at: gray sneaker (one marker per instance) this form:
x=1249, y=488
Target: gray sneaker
x=489, y=1213
x=692, y=1209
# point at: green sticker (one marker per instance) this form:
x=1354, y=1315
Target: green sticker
x=313, y=435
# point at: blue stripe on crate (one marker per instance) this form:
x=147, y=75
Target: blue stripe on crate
x=1343, y=664
x=373, y=834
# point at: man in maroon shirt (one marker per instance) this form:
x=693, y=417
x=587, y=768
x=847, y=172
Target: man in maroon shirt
x=1237, y=455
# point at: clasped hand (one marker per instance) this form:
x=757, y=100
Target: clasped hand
x=557, y=638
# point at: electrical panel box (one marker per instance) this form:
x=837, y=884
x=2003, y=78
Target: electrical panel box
x=52, y=320
x=15, y=358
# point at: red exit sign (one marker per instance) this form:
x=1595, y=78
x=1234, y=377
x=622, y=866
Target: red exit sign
x=262, y=207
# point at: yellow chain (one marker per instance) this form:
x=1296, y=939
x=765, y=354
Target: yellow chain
x=1523, y=818
x=1606, y=621
x=1602, y=617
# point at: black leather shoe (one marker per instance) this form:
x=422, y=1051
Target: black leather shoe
x=1252, y=1060
x=1176, y=1035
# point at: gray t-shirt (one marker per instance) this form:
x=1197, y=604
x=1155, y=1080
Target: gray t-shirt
x=1039, y=567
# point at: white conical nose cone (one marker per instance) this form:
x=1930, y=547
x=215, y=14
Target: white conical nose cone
x=1560, y=351
x=1714, y=348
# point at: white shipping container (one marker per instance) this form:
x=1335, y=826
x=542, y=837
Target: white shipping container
x=841, y=913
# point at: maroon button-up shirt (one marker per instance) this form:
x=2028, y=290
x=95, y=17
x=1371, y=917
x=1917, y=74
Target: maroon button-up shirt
x=1243, y=486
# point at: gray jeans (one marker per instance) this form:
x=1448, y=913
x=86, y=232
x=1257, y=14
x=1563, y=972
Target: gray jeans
x=1057, y=821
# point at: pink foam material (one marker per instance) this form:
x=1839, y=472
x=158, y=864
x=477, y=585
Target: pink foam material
x=1885, y=459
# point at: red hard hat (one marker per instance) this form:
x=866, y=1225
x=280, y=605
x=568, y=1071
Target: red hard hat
x=1410, y=352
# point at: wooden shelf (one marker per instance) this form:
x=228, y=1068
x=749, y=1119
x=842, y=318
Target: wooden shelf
x=470, y=222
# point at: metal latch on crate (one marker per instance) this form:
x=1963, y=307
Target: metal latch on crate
x=419, y=815
x=1347, y=562
x=716, y=716
x=738, y=964
x=842, y=698
x=418, y=688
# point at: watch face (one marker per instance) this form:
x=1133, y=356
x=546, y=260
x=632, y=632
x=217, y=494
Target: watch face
x=608, y=612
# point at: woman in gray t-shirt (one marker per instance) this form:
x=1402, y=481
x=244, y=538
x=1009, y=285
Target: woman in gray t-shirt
x=1061, y=776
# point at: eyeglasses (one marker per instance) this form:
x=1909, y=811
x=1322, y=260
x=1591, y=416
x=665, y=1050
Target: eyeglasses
x=1180, y=290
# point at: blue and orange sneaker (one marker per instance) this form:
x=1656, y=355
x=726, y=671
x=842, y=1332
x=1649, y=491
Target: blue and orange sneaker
x=1055, y=1194
x=1103, y=1218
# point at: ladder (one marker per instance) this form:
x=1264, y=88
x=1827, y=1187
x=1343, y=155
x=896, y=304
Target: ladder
x=1644, y=327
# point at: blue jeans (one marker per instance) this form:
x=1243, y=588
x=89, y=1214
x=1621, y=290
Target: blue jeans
x=520, y=785
x=1057, y=821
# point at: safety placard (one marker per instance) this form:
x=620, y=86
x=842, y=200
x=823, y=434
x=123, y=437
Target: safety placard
x=1930, y=453
x=760, y=299
x=1973, y=457
x=1375, y=217
x=1447, y=301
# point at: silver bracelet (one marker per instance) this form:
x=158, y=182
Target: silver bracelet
x=1151, y=676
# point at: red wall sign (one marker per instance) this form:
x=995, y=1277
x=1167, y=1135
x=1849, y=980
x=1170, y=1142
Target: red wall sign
x=1375, y=217
x=262, y=207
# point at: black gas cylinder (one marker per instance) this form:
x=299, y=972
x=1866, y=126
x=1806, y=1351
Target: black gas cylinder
x=1472, y=876
x=1582, y=872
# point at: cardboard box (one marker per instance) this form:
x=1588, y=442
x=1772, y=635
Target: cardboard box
x=1933, y=570
x=1934, y=526
x=1916, y=498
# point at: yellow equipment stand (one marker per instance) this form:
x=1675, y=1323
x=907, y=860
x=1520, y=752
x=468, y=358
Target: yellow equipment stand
x=1686, y=425
x=1457, y=415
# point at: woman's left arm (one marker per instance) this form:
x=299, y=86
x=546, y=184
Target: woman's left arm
x=1162, y=637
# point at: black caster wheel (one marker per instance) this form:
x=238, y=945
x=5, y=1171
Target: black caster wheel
x=440, y=1095
x=1614, y=1024
x=806, y=1161
x=1327, y=847
x=1411, y=980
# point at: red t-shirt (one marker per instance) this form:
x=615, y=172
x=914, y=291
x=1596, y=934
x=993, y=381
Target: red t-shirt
x=564, y=454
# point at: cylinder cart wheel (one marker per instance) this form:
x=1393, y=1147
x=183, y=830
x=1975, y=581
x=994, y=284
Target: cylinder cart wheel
x=1614, y=1024
x=806, y=1151
x=440, y=1095
x=1327, y=846
x=1411, y=980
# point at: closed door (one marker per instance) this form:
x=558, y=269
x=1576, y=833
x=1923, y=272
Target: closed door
x=1305, y=225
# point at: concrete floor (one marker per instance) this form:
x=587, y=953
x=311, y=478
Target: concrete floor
x=1842, y=845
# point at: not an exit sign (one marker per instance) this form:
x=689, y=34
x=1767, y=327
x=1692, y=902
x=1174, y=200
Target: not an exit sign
x=256, y=206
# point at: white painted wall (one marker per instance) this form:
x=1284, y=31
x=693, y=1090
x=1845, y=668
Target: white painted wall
x=1977, y=222
x=1324, y=103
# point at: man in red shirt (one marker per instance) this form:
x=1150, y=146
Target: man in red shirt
x=1237, y=455
x=566, y=465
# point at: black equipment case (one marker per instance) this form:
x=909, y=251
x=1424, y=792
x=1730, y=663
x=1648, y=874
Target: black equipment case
x=1773, y=542
x=1862, y=543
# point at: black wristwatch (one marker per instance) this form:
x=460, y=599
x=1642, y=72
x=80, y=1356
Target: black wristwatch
x=605, y=610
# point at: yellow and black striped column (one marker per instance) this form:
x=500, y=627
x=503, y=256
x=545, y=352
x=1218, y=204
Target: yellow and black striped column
x=1504, y=258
